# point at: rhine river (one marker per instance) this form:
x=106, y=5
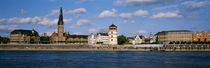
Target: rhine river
x=91, y=59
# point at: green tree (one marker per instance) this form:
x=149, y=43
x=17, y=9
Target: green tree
x=122, y=39
x=32, y=41
x=170, y=42
x=189, y=42
x=44, y=40
x=4, y=40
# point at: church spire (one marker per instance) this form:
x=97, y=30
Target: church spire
x=60, y=21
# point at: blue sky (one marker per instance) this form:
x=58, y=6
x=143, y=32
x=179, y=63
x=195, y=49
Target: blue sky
x=133, y=17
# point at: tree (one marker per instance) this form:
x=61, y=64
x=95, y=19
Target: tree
x=44, y=40
x=4, y=40
x=122, y=39
x=189, y=42
x=32, y=41
x=170, y=42
x=177, y=42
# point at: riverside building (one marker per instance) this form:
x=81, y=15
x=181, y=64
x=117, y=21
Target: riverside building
x=113, y=35
x=24, y=36
x=136, y=39
x=203, y=36
x=109, y=38
x=64, y=37
x=174, y=35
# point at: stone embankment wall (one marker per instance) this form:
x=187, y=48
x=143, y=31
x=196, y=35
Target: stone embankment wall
x=64, y=47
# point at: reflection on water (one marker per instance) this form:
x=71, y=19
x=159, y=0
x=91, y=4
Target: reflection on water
x=44, y=59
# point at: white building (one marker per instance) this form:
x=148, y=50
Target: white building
x=113, y=35
x=109, y=38
x=102, y=37
x=136, y=39
x=91, y=39
x=153, y=39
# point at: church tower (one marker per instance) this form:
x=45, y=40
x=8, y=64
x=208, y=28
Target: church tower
x=113, y=35
x=61, y=26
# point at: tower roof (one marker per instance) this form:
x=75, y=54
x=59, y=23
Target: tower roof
x=60, y=21
x=112, y=25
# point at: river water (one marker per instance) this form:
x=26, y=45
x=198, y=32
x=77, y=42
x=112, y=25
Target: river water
x=91, y=59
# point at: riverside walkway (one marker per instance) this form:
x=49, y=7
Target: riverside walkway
x=76, y=47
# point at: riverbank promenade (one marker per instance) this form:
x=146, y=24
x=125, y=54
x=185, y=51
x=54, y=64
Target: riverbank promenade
x=64, y=47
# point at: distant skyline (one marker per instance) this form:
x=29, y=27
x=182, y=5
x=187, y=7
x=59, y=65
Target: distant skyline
x=132, y=17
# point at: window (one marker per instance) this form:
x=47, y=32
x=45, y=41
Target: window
x=112, y=32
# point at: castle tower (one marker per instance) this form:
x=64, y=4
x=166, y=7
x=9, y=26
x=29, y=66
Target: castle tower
x=113, y=35
x=61, y=27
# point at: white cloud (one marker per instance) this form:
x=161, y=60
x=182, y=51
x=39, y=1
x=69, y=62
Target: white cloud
x=36, y=19
x=80, y=1
x=77, y=33
x=125, y=15
x=141, y=13
x=54, y=12
x=2, y=20
x=140, y=32
x=24, y=20
x=46, y=21
x=125, y=21
x=132, y=22
x=49, y=33
x=108, y=13
x=92, y=30
x=67, y=20
x=77, y=11
x=119, y=2
x=83, y=22
x=194, y=4
x=8, y=27
x=165, y=7
x=128, y=1
x=148, y=2
x=166, y=15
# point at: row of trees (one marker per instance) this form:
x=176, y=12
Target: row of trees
x=46, y=40
x=4, y=40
